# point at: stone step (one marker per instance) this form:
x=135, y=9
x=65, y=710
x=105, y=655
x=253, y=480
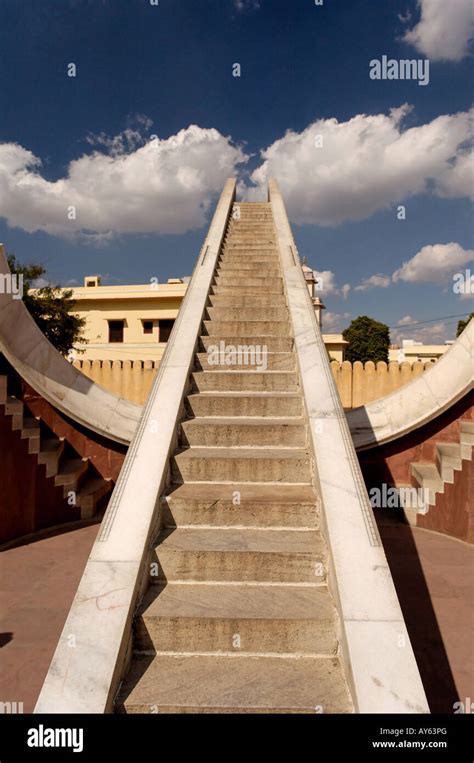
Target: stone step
x=248, y=313
x=255, y=234
x=236, y=619
x=71, y=474
x=276, y=300
x=253, y=208
x=220, y=379
x=242, y=504
x=234, y=684
x=255, y=238
x=243, y=290
x=31, y=431
x=252, y=221
x=249, y=209
x=233, y=276
x=274, y=404
x=448, y=460
x=250, y=244
x=30, y=424
x=15, y=409
x=249, y=228
x=257, y=250
x=411, y=500
x=261, y=221
x=240, y=432
x=275, y=361
x=13, y=406
x=241, y=465
x=259, y=226
x=235, y=273
x=247, y=267
x=247, y=328
x=50, y=454
x=241, y=210
x=92, y=495
x=271, y=343
x=239, y=555
x=237, y=256
x=273, y=283
x=258, y=229
x=428, y=478
x=467, y=435
x=266, y=240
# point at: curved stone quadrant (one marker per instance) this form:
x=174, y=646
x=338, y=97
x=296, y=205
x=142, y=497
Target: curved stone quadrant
x=54, y=378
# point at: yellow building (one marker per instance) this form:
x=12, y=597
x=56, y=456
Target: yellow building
x=130, y=322
x=412, y=351
x=336, y=346
x=335, y=343
x=133, y=322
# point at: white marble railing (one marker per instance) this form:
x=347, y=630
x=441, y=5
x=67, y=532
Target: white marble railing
x=84, y=676
x=420, y=401
x=39, y=363
x=376, y=651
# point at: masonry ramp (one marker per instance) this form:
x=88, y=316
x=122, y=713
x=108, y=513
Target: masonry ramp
x=238, y=615
x=213, y=585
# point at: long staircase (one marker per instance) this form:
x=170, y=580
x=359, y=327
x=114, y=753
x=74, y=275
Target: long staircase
x=75, y=475
x=237, y=616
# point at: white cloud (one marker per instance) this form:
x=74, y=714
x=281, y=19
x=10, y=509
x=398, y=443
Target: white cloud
x=406, y=320
x=246, y=5
x=326, y=284
x=376, y=281
x=40, y=283
x=444, y=30
x=334, y=323
x=404, y=17
x=434, y=334
x=366, y=164
x=163, y=186
x=326, y=281
x=458, y=178
x=435, y=263
x=167, y=185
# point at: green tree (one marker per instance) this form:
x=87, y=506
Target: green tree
x=462, y=324
x=368, y=340
x=50, y=307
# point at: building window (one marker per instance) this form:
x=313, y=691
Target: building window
x=116, y=331
x=165, y=330
x=148, y=327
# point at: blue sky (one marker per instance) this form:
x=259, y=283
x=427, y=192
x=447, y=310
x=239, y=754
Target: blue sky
x=142, y=204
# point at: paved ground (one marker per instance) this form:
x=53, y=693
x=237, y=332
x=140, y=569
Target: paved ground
x=434, y=576
x=37, y=585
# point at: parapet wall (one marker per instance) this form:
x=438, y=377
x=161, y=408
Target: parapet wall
x=357, y=383
x=360, y=383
